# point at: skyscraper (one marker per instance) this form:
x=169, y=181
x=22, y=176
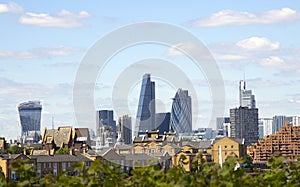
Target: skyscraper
x=125, y=129
x=246, y=97
x=267, y=125
x=30, y=116
x=162, y=121
x=181, y=112
x=146, y=108
x=278, y=121
x=106, y=117
x=244, y=124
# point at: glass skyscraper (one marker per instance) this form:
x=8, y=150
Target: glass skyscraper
x=246, y=97
x=181, y=113
x=30, y=116
x=106, y=117
x=162, y=121
x=146, y=108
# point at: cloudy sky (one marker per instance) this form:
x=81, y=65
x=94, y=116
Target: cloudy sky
x=43, y=43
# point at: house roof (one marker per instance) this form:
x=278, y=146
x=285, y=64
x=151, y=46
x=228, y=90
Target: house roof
x=138, y=156
x=60, y=158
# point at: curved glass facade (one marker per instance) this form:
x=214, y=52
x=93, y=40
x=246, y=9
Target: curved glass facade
x=181, y=114
x=30, y=116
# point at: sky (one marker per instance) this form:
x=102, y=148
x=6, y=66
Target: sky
x=43, y=43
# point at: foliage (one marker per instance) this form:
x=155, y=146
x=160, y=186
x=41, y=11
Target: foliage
x=63, y=151
x=15, y=149
x=102, y=173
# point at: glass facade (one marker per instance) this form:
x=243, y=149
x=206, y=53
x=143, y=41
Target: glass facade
x=30, y=116
x=162, y=121
x=181, y=113
x=106, y=117
x=244, y=124
x=146, y=108
x=246, y=97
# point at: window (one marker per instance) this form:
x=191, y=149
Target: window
x=55, y=165
x=225, y=146
x=225, y=153
x=45, y=165
x=63, y=166
x=232, y=147
x=49, y=165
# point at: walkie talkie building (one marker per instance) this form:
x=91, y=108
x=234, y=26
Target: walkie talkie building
x=30, y=116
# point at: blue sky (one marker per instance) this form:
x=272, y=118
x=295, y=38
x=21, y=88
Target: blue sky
x=43, y=43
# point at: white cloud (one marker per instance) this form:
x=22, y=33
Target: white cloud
x=258, y=44
x=174, y=50
x=40, y=52
x=63, y=19
x=272, y=61
x=229, y=57
x=229, y=17
x=11, y=7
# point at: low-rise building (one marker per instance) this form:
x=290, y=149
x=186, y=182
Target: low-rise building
x=227, y=146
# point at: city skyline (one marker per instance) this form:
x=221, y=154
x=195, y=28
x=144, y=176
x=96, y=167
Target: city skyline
x=42, y=47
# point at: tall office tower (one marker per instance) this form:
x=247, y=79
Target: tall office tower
x=30, y=116
x=162, y=121
x=146, y=109
x=181, y=112
x=125, y=129
x=105, y=118
x=266, y=125
x=246, y=97
x=244, y=124
x=278, y=121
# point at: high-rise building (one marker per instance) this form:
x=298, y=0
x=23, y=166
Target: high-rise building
x=295, y=120
x=278, y=121
x=266, y=124
x=181, y=112
x=105, y=118
x=244, y=124
x=30, y=117
x=146, y=109
x=162, y=121
x=125, y=129
x=246, y=97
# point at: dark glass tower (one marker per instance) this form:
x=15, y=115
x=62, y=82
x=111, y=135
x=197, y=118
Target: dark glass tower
x=181, y=114
x=106, y=117
x=244, y=124
x=162, y=121
x=146, y=108
x=30, y=116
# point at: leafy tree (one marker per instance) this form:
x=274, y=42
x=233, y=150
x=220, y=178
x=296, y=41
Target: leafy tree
x=15, y=149
x=63, y=151
x=25, y=172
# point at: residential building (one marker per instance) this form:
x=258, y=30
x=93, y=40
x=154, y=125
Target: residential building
x=244, y=124
x=43, y=164
x=78, y=140
x=181, y=112
x=146, y=108
x=227, y=146
x=285, y=142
